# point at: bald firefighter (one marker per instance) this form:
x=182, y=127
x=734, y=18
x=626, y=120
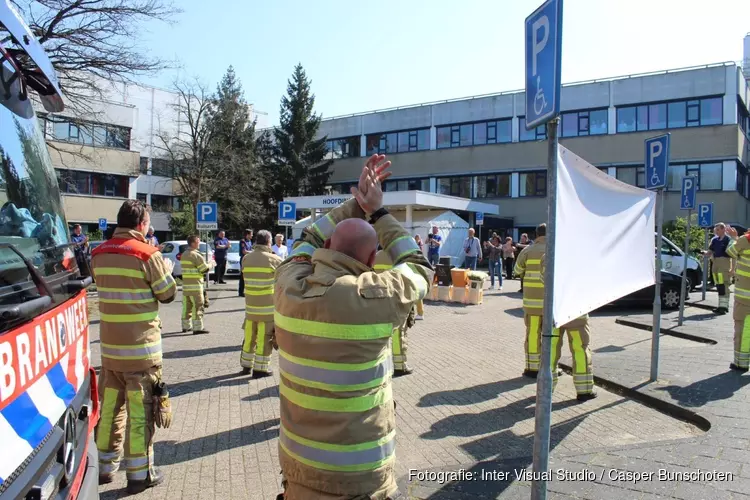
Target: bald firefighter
x=132, y=278
x=334, y=319
x=739, y=249
x=398, y=339
x=194, y=268
x=530, y=267
x=258, y=268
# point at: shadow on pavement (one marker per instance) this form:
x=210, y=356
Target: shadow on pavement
x=190, y=386
x=516, y=311
x=716, y=388
x=174, y=452
x=220, y=311
x=473, y=395
x=192, y=353
x=266, y=392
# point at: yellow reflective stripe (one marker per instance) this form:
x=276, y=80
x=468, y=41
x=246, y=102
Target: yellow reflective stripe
x=136, y=423
x=268, y=291
x=532, y=283
x=348, y=405
x=382, y=267
x=324, y=227
x=339, y=447
x=533, y=261
x=118, y=271
x=401, y=247
x=267, y=270
x=333, y=387
x=129, y=318
x=347, y=367
x=303, y=248
x=126, y=301
x=333, y=330
x=125, y=290
x=106, y=421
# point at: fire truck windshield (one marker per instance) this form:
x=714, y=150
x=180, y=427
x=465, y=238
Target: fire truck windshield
x=32, y=222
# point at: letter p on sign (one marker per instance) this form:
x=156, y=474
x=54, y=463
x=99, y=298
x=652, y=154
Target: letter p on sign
x=538, y=47
x=655, y=152
x=206, y=211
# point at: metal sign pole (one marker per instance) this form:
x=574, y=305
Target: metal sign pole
x=656, y=325
x=544, y=376
x=684, y=271
x=705, y=268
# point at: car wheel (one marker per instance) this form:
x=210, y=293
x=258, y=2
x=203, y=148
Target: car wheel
x=695, y=278
x=670, y=298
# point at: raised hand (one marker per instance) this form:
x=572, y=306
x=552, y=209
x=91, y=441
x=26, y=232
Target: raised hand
x=369, y=191
x=732, y=232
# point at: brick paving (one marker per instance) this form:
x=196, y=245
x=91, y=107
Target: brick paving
x=465, y=407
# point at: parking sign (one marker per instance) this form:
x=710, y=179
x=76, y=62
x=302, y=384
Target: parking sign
x=480, y=218
x=287, y=211
x=207, y=216
x=102, y=224
x=687, y=195
x=543, y=51
x=706, y=215
x=657, y=160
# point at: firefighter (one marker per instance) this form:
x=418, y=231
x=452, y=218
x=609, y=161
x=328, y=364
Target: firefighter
x=398, y=339
x=334, y=319
x=194, y=300
x=258, y=268
x=530, y=267
x=132, y=278
x=739, y=248
x=720, y=266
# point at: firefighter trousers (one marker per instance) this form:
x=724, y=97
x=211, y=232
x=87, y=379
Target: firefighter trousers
x=126, y=427
x=257, y=346
x=296, y=491
x=741, y=334
x=720, y=271
x=578, y=342
x=192, y=309
x=533, y=344
x=398, y=348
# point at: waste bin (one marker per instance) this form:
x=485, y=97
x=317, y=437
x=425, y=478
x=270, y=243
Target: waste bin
x=443, y=273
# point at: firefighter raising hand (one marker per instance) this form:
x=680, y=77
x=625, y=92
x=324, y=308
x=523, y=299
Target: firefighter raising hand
x=369, y=193
x=731, y=232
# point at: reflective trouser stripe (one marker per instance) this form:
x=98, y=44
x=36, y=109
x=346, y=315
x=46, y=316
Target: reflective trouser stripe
x=259, y=309
x=136, y=459
x=258, y=291
x=719, y=278
x=192, y=309
x=128, y=352
x=578, y=340
x=398, y=348
x=261, y=359
x=258, y=283
x=533, y=325
x=335, y=377
x=742, y=342
x=257, y=346
x=358, y=404
x=247, y=356
x=555, y=345
x=339, y=458
x=106, y=439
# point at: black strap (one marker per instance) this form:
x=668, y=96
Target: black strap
x=377, y=215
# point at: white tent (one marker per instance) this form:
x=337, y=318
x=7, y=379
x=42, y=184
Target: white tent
x=451, y=228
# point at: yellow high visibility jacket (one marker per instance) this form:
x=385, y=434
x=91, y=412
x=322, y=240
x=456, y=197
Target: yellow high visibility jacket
x=333, y=322
x=258, y=268
x=194, y=267
x=740, y=249
x=530, y=267
x=131, y=280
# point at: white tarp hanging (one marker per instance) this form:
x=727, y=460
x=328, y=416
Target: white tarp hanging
x=604, y=243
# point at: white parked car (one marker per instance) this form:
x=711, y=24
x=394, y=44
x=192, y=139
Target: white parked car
x=673, y=261
x=173, y=250
x=234, y=265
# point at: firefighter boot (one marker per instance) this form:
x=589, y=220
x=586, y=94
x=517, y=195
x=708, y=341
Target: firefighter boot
x=135, y=486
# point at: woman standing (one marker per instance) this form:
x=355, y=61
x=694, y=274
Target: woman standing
x=494, y=252
x=420, y=304
x=509, y=256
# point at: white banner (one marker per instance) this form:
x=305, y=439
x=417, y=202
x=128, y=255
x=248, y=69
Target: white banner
x=604, y=244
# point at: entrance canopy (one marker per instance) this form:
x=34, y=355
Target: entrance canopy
x=395, y=200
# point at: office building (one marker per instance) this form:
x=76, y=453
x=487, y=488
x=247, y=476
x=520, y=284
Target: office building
x=479, y=147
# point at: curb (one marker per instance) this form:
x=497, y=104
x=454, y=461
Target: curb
x=657, y=404
x=700, y=306
x=666, y=331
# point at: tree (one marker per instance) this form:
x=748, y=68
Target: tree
x=93, y=42
x=233, y=150
x=676, y=230
x=298, y=166
x=182, y=223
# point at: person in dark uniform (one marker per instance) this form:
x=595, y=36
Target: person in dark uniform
x=720, y=265
x=246, y=244
x=81, y=244
x=221, y=247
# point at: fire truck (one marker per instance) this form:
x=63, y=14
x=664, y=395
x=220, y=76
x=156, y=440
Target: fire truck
x=48, y=394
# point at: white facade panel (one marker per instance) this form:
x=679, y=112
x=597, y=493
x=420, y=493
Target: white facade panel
x=471, y=110
x=666, y=86
x=399, y=119
x=341, y=127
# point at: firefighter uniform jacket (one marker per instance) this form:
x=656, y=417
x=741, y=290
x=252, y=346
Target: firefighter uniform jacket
x=740, y=249
x=258, y=268
x=194, y=267
x=131, y=279
x=530, y=267
x=333, y=320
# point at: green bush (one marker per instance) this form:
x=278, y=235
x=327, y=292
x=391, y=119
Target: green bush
x=675, y=230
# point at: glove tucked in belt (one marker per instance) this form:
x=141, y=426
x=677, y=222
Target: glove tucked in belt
x=162, y=407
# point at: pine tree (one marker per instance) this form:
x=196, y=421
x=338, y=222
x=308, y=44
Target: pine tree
x=300, y=166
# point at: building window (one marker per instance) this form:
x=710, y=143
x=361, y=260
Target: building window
x=532, y=184
x=91, y=183
x=407, y=185
x=142, y=197
x=676, y=114
x=493, y=186
x=580, y=123
x=710, y=176
x=162, y=167
x=474, y=134
x=144, y=165
x=537, y=134
x=743, y=118
x=342, y=188
x=742, y=180
x=398, y=142
x=635, y=176
x=346, y=147
x=455, y=186
x=90, y=134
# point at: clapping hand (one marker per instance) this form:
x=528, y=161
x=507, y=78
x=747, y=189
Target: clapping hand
x=369, y=191
x=732, y=232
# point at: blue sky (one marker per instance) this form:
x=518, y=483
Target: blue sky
x=364, y=56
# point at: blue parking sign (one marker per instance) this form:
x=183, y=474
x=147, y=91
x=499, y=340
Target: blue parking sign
x=102, y=224
x=287, y=211
x=543, y=59
x=657, y=161
x=706, y=215
x=207, y=216
x=688, y=192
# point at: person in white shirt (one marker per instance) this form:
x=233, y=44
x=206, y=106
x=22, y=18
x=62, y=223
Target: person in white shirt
x=279, y=248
